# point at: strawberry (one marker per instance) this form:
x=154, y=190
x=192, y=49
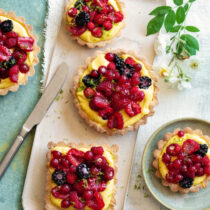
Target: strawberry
x=100, y=102
x=75, y=157
x=190, y=146
x=105, y=87
x=77, y=30
x=20, y=56
x=136, y=94
x=115, y=121
x=25, y=43
x=133, y=109
x=4, y=53
x=106, y=113
x=99, y=200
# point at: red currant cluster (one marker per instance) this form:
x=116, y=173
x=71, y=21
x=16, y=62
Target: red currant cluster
x=80, y=177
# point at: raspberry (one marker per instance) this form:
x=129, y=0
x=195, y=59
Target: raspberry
x=71, y=178
x=107, y=25
x=10, y=42
x=173, y=149
x=136, y=94
x=99, y=19
x=92, y=15
x=133, y=109
x=105, y=87
x=205, y=161
x=108, y=173
x=88, y=155
x=110, y=56
x=74, y=198
x=110, y=8
x=117, y=75
x=54, y=163
x=25, y=43
x=102, y=186
x=115, y=121
x=196, y=158
x=85, y=8
x=135, y=79
x=89, y=92
x=20, y=56
x=207, y=170
x=65, y=189
x=123, y=79
x=130, y=61
x=110, y=75
x=111, y=66
x=106, y=113
x=80, y=186
x=119, y=102
x=56, y=154
x=178, y=178
x=91, y=26
x=100, y=102
x=94, y=170
x=200, y=172
x=4, y=53
x=177, y=163
x=13, y=73
x=99, y=200
x=72, y=169
x=65, y=203
x=97, y=32
x=100, y=161
x=104, y=10
x=94, y=74
x=182, y=156
x=180, y=133
x=97, y=150
x=11, y=34
x=190, y=146
x=77, y=30
x=118, y=17
x=183, y=169
x=169, y=177
x=72, y=12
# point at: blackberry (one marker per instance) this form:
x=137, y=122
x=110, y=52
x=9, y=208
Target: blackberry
x=90, y=81
x=83, y=172
x=119, y=63
x=186, y=182
x=128, y=72
x=82, y=19
x=203, y=150
x=6, y=26
x=79, y=4
x=59, y=177
x=145, y=82
x=10, y=63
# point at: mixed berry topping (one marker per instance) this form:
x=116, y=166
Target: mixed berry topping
x=96, y=16
x=80, y=177
x=115, y=87
x=186, y=161
x=13, y=52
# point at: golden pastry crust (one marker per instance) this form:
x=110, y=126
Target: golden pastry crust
x=98, y=127
x=113, y=148
x=157, y=152
x=101, y=43
x=36, y=51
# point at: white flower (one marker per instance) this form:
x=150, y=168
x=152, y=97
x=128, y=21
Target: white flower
x=161, y=43
x=173, y=79
x=163, y=70
x=184, y=85
x=194, y=64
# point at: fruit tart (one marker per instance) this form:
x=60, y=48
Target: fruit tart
x=115, y=91
x=94, y=22
x=81, y=176
x=182, y=160
x=18, y=52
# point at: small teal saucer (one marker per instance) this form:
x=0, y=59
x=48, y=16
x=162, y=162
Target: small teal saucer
x=190, y=201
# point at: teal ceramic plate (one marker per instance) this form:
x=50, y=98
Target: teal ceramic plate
x=190, y=201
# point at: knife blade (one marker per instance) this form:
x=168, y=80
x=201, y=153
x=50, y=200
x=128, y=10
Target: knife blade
x=37, y=114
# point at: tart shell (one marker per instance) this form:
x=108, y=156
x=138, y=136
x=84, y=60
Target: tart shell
x=101, y=43
x=133, y=127
x=157, y=152
x=36, y=51
x=113, y=148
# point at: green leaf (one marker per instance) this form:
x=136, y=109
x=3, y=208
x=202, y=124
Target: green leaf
x=162, y=10
x=186, y=6
x=192, y=28
x=191, y=51
x=180, y=15
x=155, y=25
x=190, y=41
x=178, y=2
x=191, y=1
x=175, y=28
x=170, y=20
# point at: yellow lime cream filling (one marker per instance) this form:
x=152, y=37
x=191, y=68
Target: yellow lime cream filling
x=19, y=28
x=107, y=35
x=177, y=140
x=145, y=103
x=106, y=194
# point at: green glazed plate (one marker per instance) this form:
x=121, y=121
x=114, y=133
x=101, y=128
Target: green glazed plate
x=190, y=201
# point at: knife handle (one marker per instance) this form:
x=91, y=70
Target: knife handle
x=10, y=154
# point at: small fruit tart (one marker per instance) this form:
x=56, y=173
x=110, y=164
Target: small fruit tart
x=81, y=176
x=115, y=91
x=18, y=52
x=182, y=160
x=94, y=22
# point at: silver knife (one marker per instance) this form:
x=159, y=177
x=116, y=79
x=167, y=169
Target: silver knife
x=37, y=114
